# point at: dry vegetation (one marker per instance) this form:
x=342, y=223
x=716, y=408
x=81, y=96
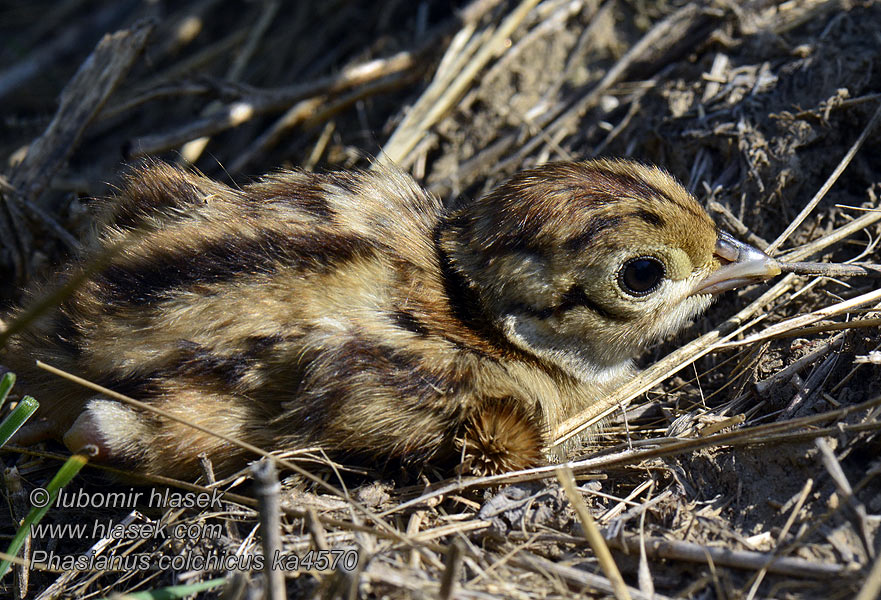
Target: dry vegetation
x=747, y=464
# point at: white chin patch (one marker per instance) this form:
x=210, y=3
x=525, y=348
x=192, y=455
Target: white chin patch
x=685, y=311
x=525, y=334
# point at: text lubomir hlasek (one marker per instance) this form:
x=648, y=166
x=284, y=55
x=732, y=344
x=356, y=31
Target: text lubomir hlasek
x=139, y=499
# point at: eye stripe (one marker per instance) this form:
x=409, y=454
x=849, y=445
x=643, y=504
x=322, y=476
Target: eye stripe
x=574, y=297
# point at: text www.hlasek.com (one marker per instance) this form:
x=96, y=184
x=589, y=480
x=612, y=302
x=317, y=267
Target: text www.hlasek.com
x=320, y=560
x=127, y=531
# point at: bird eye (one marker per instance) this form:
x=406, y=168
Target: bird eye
x=641, y=276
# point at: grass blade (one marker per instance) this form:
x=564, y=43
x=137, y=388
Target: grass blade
x=17, y=417
x=64, y=476
x=5, y=386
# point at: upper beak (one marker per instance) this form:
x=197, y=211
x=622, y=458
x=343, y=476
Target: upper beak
x=741, y=264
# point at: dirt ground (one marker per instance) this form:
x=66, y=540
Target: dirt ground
x=739, y=475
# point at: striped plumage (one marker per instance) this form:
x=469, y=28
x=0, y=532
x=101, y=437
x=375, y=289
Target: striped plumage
x=351, y=311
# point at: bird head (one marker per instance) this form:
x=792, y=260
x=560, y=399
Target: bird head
x=585, y=263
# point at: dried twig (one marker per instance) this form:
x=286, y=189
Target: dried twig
x=831, y=269
x=656, y=42
x=803, y=495
x=872, y=585
x=858, y=515
x=452, y=566
x=267, y=101
x=580, y=579
x=807, y=319
x=60, y=584
x=80, y=101
x=425, y=114
x=592, y=533
x=739, y=559
x=762, y=387
x=267, y=489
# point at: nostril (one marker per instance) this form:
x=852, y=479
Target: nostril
x=727, y=248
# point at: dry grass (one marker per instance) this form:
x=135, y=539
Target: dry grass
x=740, y=464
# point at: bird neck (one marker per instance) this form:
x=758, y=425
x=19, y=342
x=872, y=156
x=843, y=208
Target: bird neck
x=463, y=298
x=513, y=336
x=589, y=361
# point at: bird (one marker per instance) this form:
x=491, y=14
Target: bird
x=353, y=311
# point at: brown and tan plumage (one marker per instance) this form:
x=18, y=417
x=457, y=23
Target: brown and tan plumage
x=352, y=311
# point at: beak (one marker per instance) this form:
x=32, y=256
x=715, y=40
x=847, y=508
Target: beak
x=741, y=265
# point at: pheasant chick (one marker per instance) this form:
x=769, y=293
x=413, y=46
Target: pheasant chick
x=352, y=311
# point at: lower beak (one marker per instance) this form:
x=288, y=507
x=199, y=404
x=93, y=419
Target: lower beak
x=741, y=265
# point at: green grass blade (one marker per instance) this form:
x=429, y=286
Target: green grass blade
x=5, y=385
x=64, y=475
x=175, y=592
x=17, y=417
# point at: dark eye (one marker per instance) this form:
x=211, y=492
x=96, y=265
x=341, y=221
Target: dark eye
x=641, y=276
